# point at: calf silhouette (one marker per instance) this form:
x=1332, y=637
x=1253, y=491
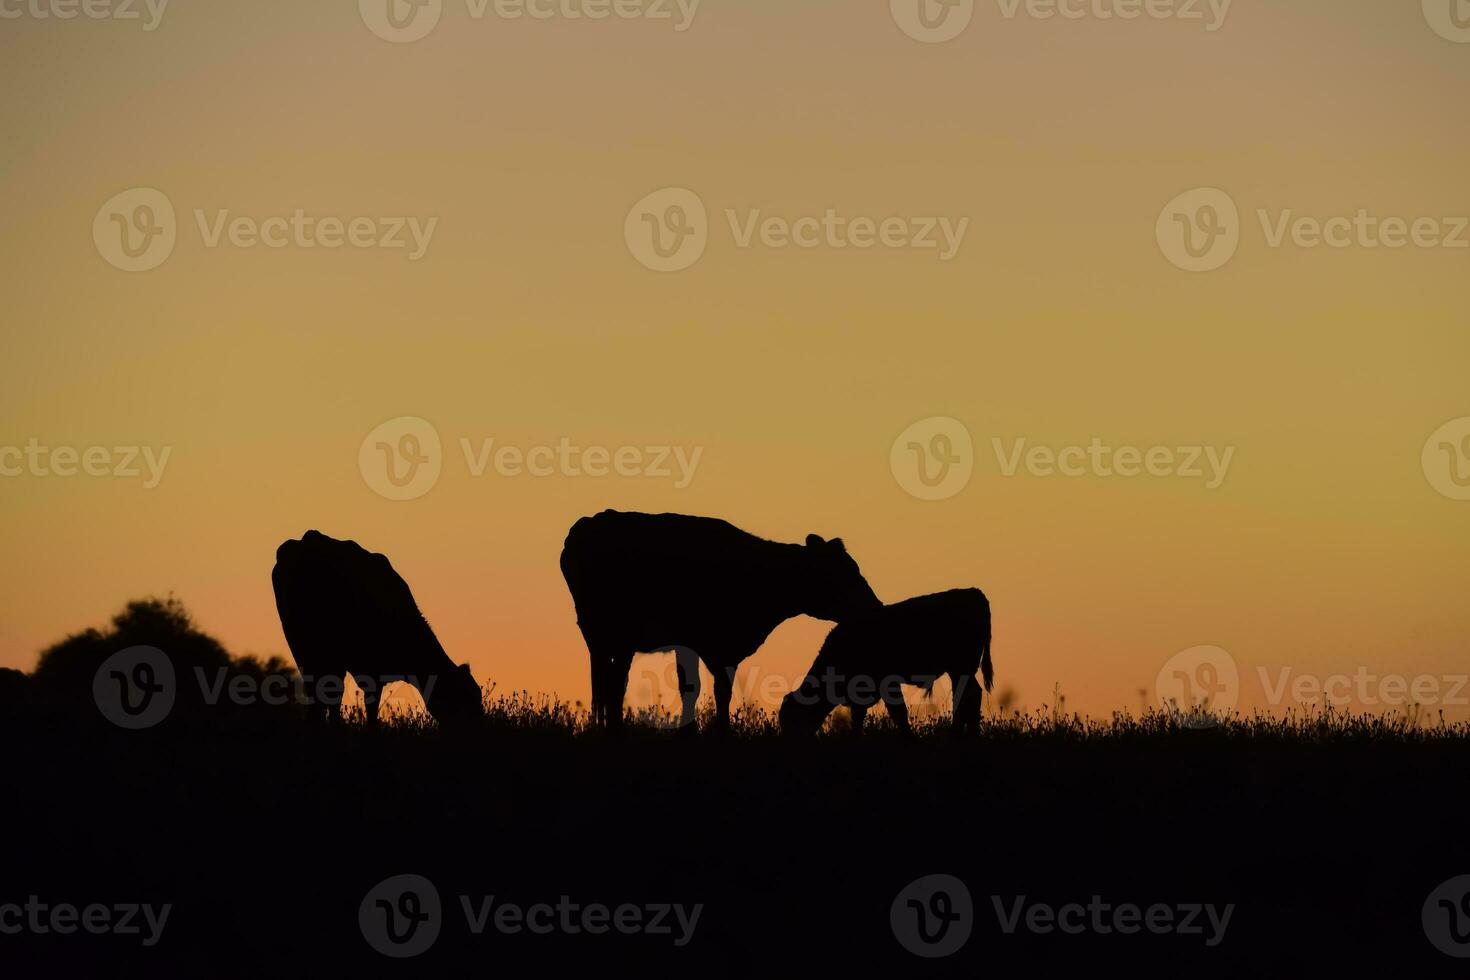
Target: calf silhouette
x=701, y=587
x=344, y=610
x=868, y=659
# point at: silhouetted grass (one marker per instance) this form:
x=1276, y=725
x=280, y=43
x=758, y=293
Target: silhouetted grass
x=547, y=714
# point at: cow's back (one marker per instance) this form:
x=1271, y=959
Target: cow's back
x=926, y=632
x=340, y=604
x=647, y=573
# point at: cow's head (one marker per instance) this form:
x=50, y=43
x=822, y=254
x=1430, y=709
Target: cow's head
x=803, y=711
x=835, y=587
x=455, y=697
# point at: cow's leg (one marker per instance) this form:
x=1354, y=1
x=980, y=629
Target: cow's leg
x=615, y=688
x=599, y=651
x=372, y=698
x=322, y=696
x=898, y=710
x=686, y=664
x=724, y=690
x=967, y=693
x=600, y=655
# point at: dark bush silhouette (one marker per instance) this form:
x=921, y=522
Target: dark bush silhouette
x=869, y=658
x=701, y=587
x=203, y=668
x=344, y=610
x=15, y=694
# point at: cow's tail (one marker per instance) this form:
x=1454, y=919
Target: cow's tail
x=987, y=672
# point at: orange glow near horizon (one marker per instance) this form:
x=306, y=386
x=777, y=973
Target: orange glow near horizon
x=1324, y=551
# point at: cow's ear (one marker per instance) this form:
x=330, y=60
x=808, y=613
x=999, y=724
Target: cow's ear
x=814, y=541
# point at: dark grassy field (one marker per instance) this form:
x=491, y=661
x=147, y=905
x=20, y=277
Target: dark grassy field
x=1326, y=835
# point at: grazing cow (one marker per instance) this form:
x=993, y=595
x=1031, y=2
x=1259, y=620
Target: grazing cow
x=344, y=610
x=703, y=588
x=868, y=659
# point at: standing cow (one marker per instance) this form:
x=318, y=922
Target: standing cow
x=648, y=583
x=870, y=658
x=344, y=610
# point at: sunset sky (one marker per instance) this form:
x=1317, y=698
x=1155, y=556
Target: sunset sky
x=1329, y=546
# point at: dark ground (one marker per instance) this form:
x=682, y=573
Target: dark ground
x=266, y=836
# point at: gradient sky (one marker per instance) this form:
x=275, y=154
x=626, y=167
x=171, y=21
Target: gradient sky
x=1325, y=550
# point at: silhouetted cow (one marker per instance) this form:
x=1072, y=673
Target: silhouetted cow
x=344, y=610
x=869, y=658
x=647, y=583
